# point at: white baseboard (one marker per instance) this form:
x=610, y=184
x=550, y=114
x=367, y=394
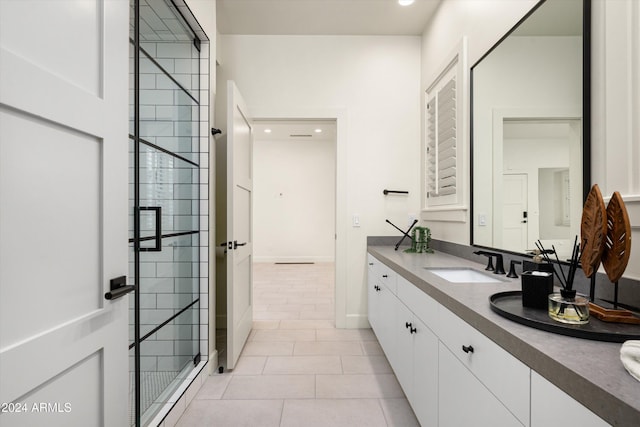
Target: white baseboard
x=292, y=259
x=357, y=321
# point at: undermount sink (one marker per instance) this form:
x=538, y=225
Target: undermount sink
x=464, y=275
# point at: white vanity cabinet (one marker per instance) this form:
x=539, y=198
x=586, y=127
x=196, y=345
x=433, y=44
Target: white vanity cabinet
x=463, y=400
x=552, y=406
x=452, y=374
x=417, y=365
x=410, y=346
x=418, y=344
x=477, y=372
x=382, y=304
x=373, y=301
x=503, y=376
x=448, y=370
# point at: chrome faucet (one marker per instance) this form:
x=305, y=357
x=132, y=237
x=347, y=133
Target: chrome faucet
x=499, y=268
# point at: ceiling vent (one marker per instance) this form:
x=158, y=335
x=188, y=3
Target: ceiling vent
x=300, y=136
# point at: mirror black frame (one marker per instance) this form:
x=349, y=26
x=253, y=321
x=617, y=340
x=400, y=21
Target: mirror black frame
x=586, y=108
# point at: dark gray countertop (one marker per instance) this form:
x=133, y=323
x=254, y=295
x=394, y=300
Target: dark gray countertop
x=589, y=371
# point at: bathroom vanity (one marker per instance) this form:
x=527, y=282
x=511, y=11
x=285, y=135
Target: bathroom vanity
x=459, y=363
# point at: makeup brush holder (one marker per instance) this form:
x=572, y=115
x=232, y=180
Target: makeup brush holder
x=568, y=307
x=536, y=287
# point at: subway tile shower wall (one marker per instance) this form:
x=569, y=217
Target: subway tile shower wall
x=174, y=120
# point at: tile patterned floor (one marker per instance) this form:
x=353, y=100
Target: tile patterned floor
x=297, y=369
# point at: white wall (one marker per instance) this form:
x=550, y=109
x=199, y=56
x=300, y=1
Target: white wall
x=615, y=89
x=615, y=100
x=294, y=200
x=375, y=83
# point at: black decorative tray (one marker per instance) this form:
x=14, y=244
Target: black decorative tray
x=509, y=305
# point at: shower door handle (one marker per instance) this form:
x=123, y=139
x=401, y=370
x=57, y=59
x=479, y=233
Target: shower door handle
x=158, y=234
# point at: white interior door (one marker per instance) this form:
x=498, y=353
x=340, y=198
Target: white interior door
x=239, y=224
x=514, y=212
x=63, y=212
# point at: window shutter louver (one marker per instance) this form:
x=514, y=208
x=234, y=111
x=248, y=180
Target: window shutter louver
x=442, y=144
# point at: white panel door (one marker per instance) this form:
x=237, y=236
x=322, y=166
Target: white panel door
x=239, y=224
x=63, y=211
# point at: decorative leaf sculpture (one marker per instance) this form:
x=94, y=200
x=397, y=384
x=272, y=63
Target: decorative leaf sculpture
x=593, y=231
x=618, y=241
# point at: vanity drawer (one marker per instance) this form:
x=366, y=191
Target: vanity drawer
x=421, y=304
x=504, y=375
x=387, y=277
x=372, y=264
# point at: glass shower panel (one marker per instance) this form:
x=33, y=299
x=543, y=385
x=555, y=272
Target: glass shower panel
x=164, y=202
x=167, y=359
x=172, y=185
x=169, y=277
x=170, y=284
x=169, y=114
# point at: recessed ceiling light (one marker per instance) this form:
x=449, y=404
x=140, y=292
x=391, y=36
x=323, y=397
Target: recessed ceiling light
x=318, y=130
x=405, y=2
x=267, y=131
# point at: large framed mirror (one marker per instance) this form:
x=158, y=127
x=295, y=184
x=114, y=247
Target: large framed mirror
x=530, y=131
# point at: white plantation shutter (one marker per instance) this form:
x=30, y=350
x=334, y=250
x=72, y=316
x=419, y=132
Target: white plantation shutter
x=442, y=156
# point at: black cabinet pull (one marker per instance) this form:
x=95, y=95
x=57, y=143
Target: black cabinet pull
x=385, y=276
x=409, y=325
x=467, y=349
x=370, y=263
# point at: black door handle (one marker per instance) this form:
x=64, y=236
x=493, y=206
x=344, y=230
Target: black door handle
x=118, y=288
x=158, y=234
x=236, y=244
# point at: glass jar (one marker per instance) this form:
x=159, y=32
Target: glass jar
x=567, y=307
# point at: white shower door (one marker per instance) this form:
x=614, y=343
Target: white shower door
x=63, y=204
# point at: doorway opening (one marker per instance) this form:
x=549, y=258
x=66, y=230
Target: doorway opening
x=294, y=191
x=294, y=213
